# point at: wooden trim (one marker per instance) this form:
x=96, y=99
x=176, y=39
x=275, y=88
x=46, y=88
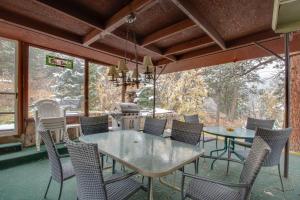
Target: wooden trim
x=190, y=10
x=167, y=32
x=20, y=90
x=86, y=87
x=25, y=75
x=189, y=45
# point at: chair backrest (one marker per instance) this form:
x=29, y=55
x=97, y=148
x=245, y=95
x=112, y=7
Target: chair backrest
x=253, y=163
x=191, y=118
x=186, y=132
x=54, y=123
x=253, y=123
x=54, y=161
x=48, y=108
x=93, y=125
x=154, y=126
x=276, y=139
x=86, y=163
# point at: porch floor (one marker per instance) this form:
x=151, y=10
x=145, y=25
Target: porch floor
x=28, y=181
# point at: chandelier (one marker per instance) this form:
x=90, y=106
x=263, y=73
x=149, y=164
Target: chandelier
x=120, y=75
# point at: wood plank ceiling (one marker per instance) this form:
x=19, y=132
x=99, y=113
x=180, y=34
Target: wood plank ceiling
x=169, y=31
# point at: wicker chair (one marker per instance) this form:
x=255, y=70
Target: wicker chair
x=195, y=119
x=59, y=171
x=208, y=189
x=252, y=124
x=154, y=126
x=90, y=182
x=93, y=125
x=188, y=133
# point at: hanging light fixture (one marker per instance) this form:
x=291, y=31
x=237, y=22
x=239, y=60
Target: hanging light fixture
x=149, y=68
x=120, y=74
x=113, y=74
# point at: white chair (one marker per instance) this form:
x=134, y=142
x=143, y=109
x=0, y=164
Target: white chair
x=45, y=109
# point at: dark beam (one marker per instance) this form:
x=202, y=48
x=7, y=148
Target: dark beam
x=117, y=20
x=40, y=27
x=23, y=21
x=189, y=45
x=96, y=34
x=191, y=11
x=77, y=13
x=167, y=32
x=119, y=52
x=236, y=43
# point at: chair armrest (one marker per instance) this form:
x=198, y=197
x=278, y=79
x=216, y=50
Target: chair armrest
x=244, y=144
x=239, y=185
x=120, y=178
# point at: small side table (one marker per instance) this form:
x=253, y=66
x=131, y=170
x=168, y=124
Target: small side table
x=76, y=127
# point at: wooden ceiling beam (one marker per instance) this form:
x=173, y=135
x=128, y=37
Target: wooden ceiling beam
x=233, y=44
x=94, y=34
x=40, y=27
x=190, y=10
x=26, y=22
x=77, y=13
x=117, y=20
x=189, y=45
x=167, y=32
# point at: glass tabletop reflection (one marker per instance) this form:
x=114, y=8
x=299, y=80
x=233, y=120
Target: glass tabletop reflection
x=150, y=155
x=236, y=133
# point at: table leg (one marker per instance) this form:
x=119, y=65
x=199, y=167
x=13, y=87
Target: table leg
x=224, y=151
x=113, y=166
x=150, y=188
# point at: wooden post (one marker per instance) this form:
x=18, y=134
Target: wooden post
x=287, y=101
x=23, y=64
x=86, y=87
x=154, y=91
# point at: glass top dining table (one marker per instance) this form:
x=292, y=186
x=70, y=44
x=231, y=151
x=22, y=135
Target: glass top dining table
x=236, y=133
x=241, y=133
x=149, y=155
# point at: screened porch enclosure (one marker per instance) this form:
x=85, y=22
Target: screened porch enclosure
x=140, y=70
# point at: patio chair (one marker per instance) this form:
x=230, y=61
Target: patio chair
x=252, y=124
x=204, y=139
x=90, y=182
x=154, y=126
x=60, y=172
x=188, y=133
x=276, y=139
x=55, y=124
x=204, y=188
x=45, y=108
x=93, y=125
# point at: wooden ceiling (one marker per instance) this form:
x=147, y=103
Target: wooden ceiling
x=170, y=31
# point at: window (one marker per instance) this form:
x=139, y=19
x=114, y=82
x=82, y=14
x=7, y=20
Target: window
x=227, y=94
x=62, y=84
x=102, y=93
x=8, y=86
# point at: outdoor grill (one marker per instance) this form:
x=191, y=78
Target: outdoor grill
x=125, y=116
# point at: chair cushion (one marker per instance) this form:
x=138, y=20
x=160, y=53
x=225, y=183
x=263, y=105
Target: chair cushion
x=121, y=189
x=68, y=170
x=203, y=190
